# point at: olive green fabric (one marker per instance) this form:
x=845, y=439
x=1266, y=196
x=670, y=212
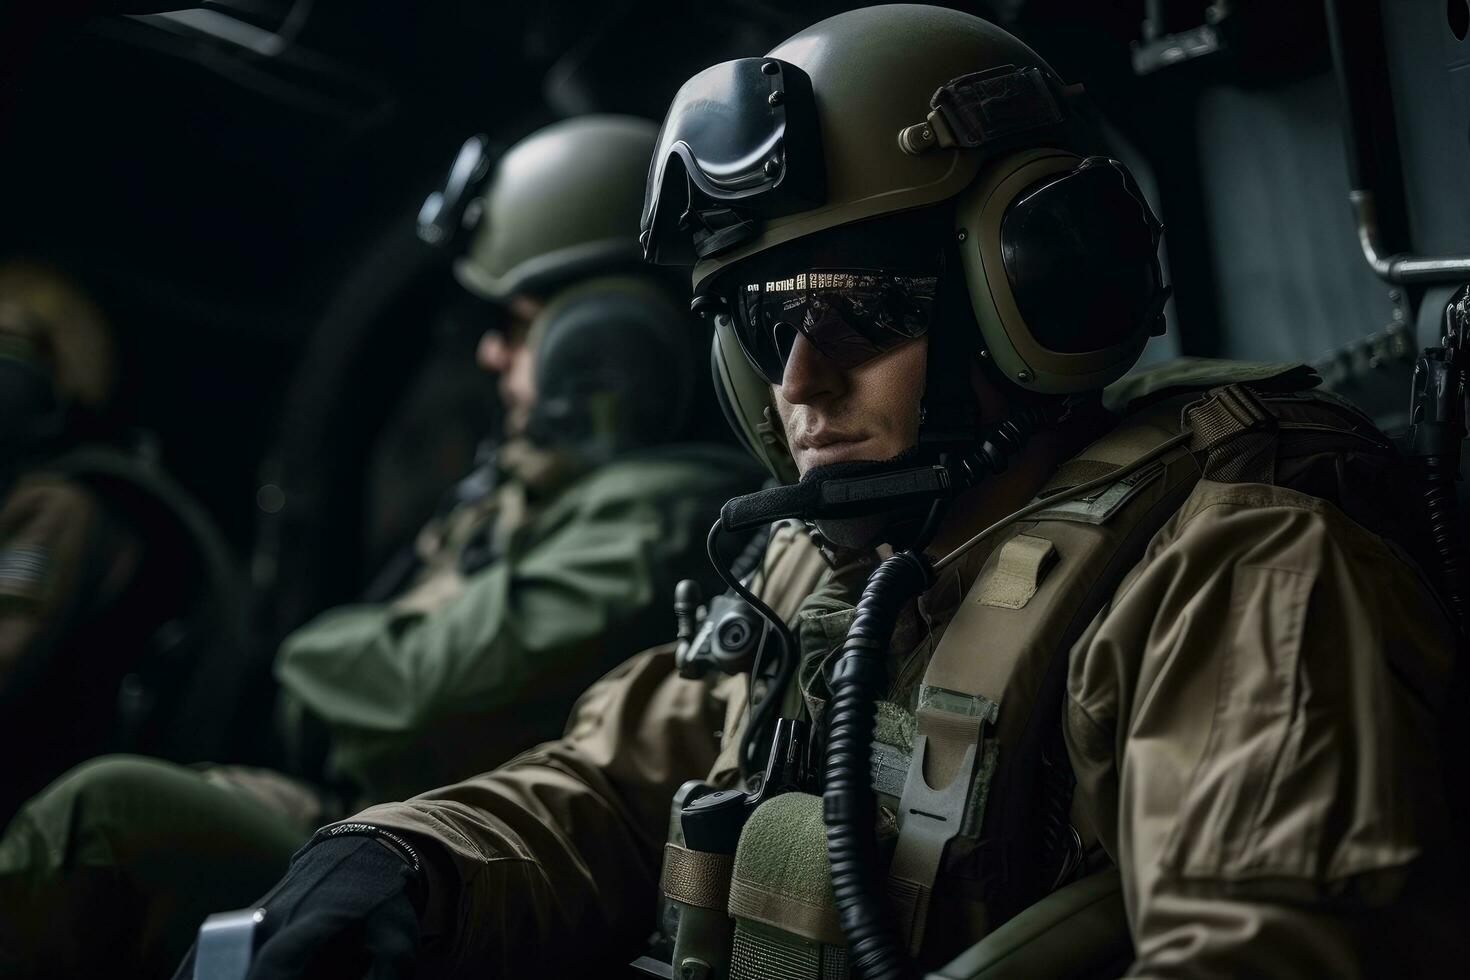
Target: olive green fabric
x=415, y=697
x=1081, y=923
x=458, y=673
x=1184, y=374
x=109, y=871
x=781, y=876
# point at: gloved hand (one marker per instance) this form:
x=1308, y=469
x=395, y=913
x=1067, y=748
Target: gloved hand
x=343, y=912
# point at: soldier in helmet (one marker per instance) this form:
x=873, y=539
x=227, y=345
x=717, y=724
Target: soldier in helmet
x=1152, y=667
x=70, y=553
x=55, y=362
x=547, y=567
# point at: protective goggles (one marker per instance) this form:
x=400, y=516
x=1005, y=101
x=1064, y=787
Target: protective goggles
x=849, y=315
x=742, y=133
x=741, y=143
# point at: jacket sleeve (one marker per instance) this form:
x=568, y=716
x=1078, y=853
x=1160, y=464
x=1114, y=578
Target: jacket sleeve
x=553, y=859
x=381, y=670
x=48, y=535
x=1253, y=723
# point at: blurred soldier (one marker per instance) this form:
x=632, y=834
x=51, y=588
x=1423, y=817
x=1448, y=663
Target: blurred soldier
x=71, y=617
x=550, y=565
x=1178, y=638
x=55, y=353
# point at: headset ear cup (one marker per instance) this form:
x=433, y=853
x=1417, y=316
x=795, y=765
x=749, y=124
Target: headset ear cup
x=1013, y=344
x=612, y=363
x=745, y=399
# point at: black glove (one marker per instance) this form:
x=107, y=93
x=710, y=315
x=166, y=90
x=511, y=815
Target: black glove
x=343, y=912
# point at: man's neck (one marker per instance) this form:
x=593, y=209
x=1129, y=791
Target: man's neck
x=1004, y=493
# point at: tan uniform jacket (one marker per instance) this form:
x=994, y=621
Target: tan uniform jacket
x=1253, y=721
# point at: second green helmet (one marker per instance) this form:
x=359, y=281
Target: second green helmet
x=560, y=205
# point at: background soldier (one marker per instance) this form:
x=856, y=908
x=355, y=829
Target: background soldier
x=73, y=619
x=548, y=566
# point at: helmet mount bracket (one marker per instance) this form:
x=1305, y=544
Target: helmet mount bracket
x=975, y=110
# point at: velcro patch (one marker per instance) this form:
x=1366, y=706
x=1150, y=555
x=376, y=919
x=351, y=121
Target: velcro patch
x=1102, y=504
x=1023, y=562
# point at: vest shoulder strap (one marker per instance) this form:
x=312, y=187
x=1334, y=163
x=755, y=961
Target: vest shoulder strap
x=1040, y=587
x=987, y=719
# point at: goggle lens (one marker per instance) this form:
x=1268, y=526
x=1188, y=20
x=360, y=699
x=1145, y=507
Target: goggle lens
x=850, y=316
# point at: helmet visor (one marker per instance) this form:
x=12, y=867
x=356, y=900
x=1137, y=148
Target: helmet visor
x=849, y=315
x=743, y=133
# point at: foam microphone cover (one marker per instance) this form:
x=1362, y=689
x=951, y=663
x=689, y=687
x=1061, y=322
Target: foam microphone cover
x=775, y=504
x=848, y=489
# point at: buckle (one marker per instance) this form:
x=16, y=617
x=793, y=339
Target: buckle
x=1226, y=413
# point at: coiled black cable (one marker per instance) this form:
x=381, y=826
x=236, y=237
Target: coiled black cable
x=1438, y=488
x=848, y=805
x=858, y=680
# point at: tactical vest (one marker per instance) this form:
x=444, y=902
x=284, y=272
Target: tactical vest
x=977, y=776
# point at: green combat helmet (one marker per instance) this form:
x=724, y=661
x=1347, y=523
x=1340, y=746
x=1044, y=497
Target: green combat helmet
x=561, y=204
x=887, y=112
x=55, y=355
x=556, y=217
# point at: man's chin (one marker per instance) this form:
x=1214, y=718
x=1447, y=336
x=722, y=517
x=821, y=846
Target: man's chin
x=863, y=533
x=865, y=466
x=863, y=451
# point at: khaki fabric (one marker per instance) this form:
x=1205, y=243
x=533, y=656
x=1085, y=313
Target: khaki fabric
x=1252, y=718
x=1252, y=721
x=462, y=671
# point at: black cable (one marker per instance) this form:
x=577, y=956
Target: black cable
x=749, y=561
x=760, y=716
x=857, y=681
x=1438, y=476
x=848, y=805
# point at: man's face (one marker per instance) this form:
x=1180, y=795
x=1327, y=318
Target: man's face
x=507, y=353
x=833, y=414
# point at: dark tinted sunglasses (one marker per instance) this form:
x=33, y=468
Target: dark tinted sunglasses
x=849, y=315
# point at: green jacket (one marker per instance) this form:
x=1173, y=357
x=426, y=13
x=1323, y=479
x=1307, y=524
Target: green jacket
x=419, y=693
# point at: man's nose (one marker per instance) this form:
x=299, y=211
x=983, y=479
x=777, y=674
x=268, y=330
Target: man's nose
x=810, y=375
x=493, y=353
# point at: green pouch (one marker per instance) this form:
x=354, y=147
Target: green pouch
x=786, y=925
